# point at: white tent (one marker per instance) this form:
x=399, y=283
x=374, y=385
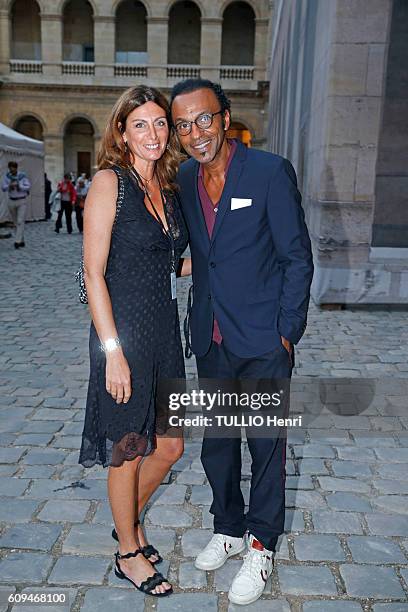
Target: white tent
x=29, y=154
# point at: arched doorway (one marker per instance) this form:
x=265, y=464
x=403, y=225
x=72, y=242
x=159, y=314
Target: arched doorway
x=131, y=33
x=238, y=35
x=25, y=30
x=184, y=42
x=79, y=147
x=239, y=131
x=78, y=32
x=29, y=126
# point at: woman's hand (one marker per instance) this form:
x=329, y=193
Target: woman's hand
x=118, y=379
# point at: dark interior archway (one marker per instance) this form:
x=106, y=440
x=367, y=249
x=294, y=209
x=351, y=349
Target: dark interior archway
x=29, y=126
x=238, y=35
x=79, y=146
x=184, y=41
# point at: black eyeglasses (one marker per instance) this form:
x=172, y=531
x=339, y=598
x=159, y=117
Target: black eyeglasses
x=203, y=122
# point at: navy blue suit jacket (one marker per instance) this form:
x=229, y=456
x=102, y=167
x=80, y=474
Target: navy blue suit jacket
x=254, y=274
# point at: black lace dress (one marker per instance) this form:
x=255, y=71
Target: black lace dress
x=146, y=318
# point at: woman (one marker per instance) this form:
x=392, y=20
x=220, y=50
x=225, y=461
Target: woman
x=134, y=235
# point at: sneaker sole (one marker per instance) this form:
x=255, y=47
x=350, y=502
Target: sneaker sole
x=214, y=567
x=243, y=602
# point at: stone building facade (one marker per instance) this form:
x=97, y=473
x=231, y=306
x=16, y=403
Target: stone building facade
x=338, y=109
x=64, y=63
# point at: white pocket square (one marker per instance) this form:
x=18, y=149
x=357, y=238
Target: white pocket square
x=240, y=203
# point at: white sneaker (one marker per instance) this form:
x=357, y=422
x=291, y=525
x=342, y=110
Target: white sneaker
x=220, y=548
x=249, y=583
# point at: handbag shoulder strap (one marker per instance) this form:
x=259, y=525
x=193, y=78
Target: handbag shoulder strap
x=121, y=193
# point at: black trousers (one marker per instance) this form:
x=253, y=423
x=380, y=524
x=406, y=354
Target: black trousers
x=221, y=458
x=67, y=208
x=79, y=214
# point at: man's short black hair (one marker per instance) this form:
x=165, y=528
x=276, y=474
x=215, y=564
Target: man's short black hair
x=190, y=85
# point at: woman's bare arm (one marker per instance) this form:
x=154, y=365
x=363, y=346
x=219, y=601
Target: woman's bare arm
x=185, y=269
x=99, y=215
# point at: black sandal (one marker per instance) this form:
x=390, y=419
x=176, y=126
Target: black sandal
x=147, y=550
x=150, y=550
x=147, y=585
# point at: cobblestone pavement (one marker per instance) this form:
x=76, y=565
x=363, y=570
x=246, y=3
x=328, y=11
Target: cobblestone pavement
x=346, y=544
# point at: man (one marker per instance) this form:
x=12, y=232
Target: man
x=18, y=188
x=68, y=199
x=252, y=269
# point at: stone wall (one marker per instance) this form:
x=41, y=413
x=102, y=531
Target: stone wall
x=390, y=227
x=55, y=109
x=54, y=97
x=328, y=70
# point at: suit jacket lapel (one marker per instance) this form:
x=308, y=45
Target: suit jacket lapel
x=196, y=208
x=233, y=176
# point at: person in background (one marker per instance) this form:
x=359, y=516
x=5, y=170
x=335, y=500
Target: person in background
x=68, y=199
x=47, y=194
x=85, y=179
x=81, y=187
x=18, y=186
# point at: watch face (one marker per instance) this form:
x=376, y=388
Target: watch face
x=110, y=344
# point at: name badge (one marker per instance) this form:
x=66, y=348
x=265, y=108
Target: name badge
x=240, y=203
x=173, y=285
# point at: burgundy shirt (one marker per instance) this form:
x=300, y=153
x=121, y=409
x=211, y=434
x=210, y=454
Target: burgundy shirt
x=210, y=210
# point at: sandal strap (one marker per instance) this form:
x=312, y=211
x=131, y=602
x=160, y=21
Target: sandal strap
x=152, y=582
x=115, y=533
x=149, y=550
x=129, y=554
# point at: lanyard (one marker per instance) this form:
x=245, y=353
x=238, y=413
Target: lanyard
x=167, y=232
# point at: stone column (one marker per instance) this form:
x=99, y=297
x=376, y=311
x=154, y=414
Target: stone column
x=211, y=34
x=104, y=42
x=348, y=78
x=97, y=142
x=54, y=157
x=261, y=48
x=157, y=39
x=5, y=40
x=51, y=43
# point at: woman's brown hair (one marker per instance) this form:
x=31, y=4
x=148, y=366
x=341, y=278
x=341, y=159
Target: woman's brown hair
x=114, y=152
